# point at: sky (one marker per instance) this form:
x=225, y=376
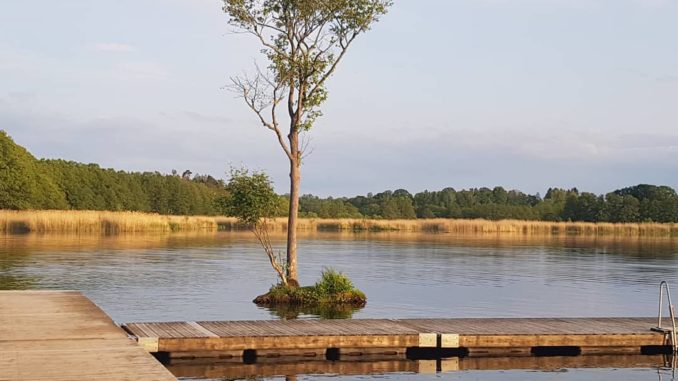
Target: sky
x=527, y=94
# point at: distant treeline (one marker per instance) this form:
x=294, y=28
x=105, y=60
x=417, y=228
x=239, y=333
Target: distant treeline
x=28, y=183
x=641, y=203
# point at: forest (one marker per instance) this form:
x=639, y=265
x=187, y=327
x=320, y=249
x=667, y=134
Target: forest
x=30, y=183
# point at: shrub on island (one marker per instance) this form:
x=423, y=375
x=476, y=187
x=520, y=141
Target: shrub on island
x=333, y=288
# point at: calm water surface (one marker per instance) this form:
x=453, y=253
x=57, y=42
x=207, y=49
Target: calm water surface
x=215, y=277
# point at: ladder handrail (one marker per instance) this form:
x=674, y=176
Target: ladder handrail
x=664, y=285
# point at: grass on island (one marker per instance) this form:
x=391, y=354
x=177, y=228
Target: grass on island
x=103, y=222
x=332, y=289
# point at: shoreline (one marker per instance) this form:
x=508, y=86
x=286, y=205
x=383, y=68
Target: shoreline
x=106, y=222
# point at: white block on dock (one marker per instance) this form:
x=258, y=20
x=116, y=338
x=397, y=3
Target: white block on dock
x=428, y=340
x=449, y=340
x=150, y=344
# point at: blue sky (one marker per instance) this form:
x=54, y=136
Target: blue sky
x=528, y=94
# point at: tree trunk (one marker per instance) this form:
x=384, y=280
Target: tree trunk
x=295, y=182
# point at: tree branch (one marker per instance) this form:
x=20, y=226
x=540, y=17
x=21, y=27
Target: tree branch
x=328, y=73
x=260, y=231
x=252, y=91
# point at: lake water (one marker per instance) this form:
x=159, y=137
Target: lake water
x=215, y=277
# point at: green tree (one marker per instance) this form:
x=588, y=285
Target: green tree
x=499, y=195
x=252, y=201
x=304, y=42
x=657, y=203
x=584, y=207
x=624, y=208
x=23, y=183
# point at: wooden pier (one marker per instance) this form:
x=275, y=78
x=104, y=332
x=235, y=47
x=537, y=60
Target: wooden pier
x=50, y=335
x=54, y=336
x=408, y=338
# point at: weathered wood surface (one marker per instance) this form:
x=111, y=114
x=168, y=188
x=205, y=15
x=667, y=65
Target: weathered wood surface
x=535, y=326
x=537, y=332
x=616, y=334
x=61, y=335
x=291, y=334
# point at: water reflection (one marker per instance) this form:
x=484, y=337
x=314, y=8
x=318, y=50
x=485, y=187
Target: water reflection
x=632, y=246
x=198, y=277
x=215, y=276
x=468, y=366
x=9, y=261
x=290, y=312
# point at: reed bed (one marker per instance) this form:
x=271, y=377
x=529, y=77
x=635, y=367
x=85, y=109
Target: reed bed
x=91, y=222
x=98, y=222
x=480, y=226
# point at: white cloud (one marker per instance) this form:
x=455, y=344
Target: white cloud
x=204, y=118
x=114, y=47
x=652, y=3
x=141, y=70
x=11, y=59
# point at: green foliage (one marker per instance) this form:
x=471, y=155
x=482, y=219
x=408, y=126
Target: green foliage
x=584, y=207
x=252, y=197
x=23, y=183
x=633, y=204
x=333, y=288
x=624, y=208
x=332, y=283
x=313, y=206
x=657, y=203
x=27, y=183
x=324, y=310
x=304, y=40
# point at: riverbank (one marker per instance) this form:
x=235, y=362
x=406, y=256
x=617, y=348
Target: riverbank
x=102, y=222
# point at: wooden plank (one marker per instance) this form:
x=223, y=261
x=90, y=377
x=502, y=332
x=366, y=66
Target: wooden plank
x=560, y=340
x=309, y=328
x=61, y=335
x=286, y=342
x=533, y=326
x=484, y=334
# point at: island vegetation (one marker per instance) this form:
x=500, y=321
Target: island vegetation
x=303, y=43
x=253, y=202
x=331, y=294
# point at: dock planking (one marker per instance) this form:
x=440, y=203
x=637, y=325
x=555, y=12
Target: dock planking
x=62, y=335
x=379, y=337
x=53, y=335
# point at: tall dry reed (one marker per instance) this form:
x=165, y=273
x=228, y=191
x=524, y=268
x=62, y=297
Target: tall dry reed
x=72, y=221
x=48, y=221
x=480, y=226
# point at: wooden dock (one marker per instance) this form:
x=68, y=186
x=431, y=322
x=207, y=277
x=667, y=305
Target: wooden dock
x=50, y=335
x=54, y=336
x=408, y=338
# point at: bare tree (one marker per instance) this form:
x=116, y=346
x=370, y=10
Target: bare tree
x=304, y=42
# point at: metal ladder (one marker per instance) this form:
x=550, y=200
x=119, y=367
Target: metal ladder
x=672, y=314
